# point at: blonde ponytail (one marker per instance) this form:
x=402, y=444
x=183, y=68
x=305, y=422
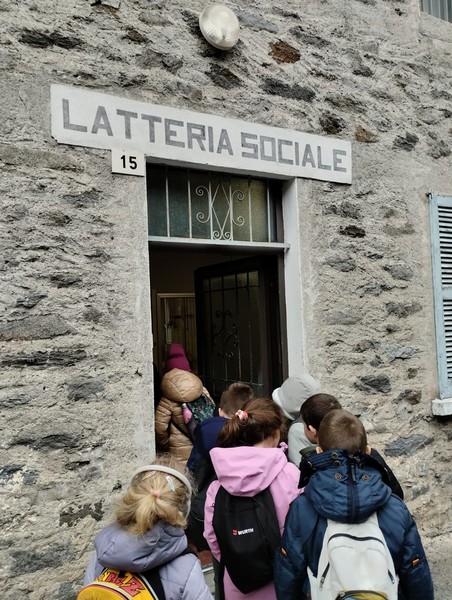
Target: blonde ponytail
x=158, y=492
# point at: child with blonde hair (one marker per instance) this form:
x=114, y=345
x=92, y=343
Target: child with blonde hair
x=148, y=532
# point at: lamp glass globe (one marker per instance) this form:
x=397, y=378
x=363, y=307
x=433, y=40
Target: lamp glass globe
x=219, y=26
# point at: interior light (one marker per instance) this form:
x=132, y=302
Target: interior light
x=219, y=26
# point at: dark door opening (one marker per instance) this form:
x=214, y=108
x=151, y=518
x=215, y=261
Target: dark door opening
x=236, y=333
x=238, y=328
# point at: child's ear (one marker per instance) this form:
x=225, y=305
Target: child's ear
x=319, y=450
x=313, y=430
x=368, y=449
x=221, y=412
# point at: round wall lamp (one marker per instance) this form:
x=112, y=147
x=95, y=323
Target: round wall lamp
x=219, y=26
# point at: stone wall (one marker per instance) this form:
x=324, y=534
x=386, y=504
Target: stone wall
x=75, y=341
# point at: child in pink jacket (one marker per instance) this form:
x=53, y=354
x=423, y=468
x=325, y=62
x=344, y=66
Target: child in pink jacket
x=248, y=459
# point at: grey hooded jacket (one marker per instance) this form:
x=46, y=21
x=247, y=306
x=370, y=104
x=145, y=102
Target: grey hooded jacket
x=296, y=442
x=181, y=575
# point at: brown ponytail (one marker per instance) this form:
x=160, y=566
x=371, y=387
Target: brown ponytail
x=259, y=420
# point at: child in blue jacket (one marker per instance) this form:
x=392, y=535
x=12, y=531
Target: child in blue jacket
x=345, y=485
x=200, y=464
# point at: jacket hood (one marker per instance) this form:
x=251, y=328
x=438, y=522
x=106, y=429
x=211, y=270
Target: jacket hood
x=294, y=391
x=344, y=488
x=297, y=440
x=118, y=549
x=247, y=470
x=181, y=386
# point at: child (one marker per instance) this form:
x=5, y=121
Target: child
x=290, y=397
x=347, y=488
x=148, y=532
x=247, y=461
x=206, y=433
x=179, y=386
x=312, y=413
x=200, y=463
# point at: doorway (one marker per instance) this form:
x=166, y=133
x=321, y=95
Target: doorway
x=217, y=240
x=224, y=308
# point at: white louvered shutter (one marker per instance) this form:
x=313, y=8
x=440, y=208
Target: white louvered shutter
x=441, y=231
x=442, y=9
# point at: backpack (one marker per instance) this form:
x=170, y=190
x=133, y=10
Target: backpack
x=247, y=531
x=204, y=474
x=354, y=564
x=202, y=408
x=122, y=585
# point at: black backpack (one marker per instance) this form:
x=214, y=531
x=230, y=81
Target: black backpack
x=204, y=474
x=247, y=531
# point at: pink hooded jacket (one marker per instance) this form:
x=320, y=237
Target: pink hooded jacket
x=245, y=471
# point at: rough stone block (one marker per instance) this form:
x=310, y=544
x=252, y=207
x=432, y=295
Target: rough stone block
x=407, y=445
x=31, y=560
x=35, y=327
x=293, y=91
x=43, y=359
x=373, y=384
x=83, y=388
x=411, y=396
x=71, y=515
x=402, y=310
x=339, y=317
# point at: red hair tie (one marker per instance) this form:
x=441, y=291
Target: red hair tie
x=242, y=415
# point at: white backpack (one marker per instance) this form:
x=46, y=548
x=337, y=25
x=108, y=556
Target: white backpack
x=355, y=563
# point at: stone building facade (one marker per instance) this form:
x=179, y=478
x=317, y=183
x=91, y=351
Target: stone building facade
x=79, y=283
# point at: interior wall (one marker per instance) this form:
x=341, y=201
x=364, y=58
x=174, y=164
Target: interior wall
x=172, y=272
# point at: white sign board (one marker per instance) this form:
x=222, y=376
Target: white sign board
x=128, y=162
x=85, y=118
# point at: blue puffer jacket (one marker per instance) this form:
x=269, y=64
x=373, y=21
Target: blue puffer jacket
x=181, y=575
x=206, y=434
x=348, y=490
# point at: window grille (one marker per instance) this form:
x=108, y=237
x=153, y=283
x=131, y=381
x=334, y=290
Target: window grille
x=438, y=8
x=203, y=206
x=441, y=232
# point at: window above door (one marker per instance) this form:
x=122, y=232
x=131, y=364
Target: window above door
x=187, y=205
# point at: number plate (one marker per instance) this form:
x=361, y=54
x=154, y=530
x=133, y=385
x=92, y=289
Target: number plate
x=127, y=162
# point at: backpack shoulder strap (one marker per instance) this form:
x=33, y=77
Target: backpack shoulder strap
x=153, y=582
x=266, y=497
x=219, y=506
x=179, y=428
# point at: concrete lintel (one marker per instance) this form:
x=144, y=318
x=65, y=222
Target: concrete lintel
x=442, y=407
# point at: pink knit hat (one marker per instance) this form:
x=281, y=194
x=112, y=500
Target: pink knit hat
x=176, y=358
